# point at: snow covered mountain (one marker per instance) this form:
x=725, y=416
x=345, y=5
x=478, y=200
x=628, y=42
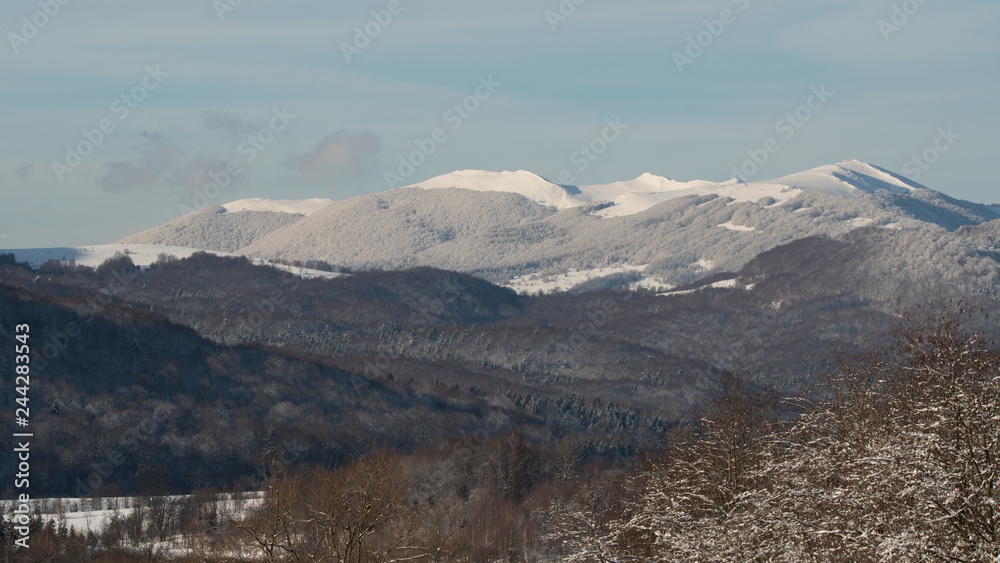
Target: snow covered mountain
x=229, y=227
x=850, y=179
x=519, y=229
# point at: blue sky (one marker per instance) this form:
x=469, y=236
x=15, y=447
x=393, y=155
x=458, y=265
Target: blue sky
x=188, y=87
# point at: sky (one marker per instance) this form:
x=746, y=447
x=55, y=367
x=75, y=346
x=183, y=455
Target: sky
x=120, y=116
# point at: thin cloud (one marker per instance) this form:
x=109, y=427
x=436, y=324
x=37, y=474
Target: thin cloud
x=161, y=164
x=228, y=123
x=198, y=172
x=146, y=171
x=339, y=155
x=23, y=172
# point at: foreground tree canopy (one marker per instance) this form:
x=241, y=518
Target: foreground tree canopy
x=894, y=458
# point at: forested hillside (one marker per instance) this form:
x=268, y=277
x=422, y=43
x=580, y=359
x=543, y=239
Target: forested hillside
x=232, y=360
x=891, y=456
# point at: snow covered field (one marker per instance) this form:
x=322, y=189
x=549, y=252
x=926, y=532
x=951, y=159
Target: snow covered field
x=535, y=283
x=96, y=514
x=142, y=255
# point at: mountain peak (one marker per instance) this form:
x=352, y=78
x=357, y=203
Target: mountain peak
x=650, y=177
x=522, y=182
x=874, y=171
x=849, y=178
x=293, y=206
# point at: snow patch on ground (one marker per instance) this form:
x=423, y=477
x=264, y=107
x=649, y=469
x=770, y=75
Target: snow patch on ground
x=858, y=222
x=296, y=207
x=93, y=256
x=142, y=255
x=652, y=283
x=724, y=284
x=95, y=514
x=534, y=283
x=739, y=228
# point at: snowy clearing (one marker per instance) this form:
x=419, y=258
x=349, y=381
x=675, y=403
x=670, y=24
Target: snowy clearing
x=739, y=228
x=535, y=283
x=142, y=255
x=724, y=284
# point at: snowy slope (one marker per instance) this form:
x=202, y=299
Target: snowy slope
x=851, y=179
x=230, y=227
x=627, y=197
x=265, y=204
x=524, y=183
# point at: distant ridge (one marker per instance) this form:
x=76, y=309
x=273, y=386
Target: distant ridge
x=522, y=230
x=849, y=179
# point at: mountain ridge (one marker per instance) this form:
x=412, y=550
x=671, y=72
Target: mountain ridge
x=507, y=226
